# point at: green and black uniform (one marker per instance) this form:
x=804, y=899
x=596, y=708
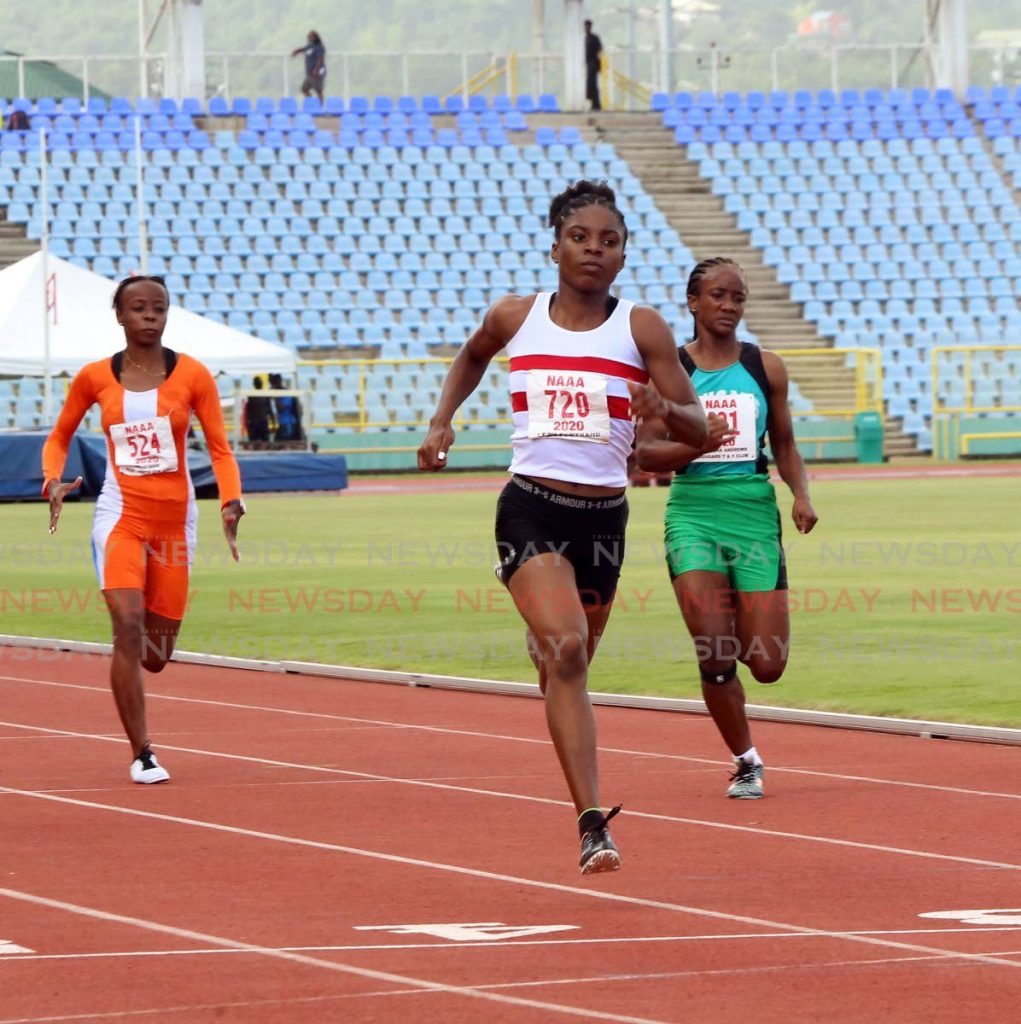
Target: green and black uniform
x=722, y=514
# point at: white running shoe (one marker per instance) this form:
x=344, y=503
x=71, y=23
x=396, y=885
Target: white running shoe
x=147, y=770
x=747, y=781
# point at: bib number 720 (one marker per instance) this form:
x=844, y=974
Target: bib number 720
x=572, y=406
x=578, y=399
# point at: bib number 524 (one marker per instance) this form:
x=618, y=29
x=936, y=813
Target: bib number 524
x=142, y=446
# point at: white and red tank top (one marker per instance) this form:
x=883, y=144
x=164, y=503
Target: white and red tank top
x=569, y=397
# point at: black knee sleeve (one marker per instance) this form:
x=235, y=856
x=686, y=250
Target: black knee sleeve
x=716, y=676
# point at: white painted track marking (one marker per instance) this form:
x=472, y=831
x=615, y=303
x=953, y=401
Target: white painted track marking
x=420, y=984
x=511, y=879
x=622, y=940
x=652, y=755
x=475, y=791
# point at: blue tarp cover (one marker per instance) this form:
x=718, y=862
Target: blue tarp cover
x=21, y=468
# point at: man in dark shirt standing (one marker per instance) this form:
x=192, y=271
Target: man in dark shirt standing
x=593, y=52
x=315, y=65
x=259, y=416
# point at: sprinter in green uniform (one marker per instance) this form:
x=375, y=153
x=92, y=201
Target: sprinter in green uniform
x=722, y=524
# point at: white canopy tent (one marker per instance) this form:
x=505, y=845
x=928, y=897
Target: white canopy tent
x=82, y=326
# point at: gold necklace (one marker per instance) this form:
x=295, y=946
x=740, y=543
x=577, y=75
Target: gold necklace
x=138, y=366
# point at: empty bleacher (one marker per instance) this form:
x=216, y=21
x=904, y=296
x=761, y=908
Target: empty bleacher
x=374, y=231
x=886, y=215
x=383, y=228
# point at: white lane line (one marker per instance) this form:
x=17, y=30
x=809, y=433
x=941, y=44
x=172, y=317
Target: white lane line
x=348, y=773
x=493, y=987
x=595, y=979
x=494, y=876
x=216, y=1008
x=652, y=755
x=420, y=984
x=431, y=947
x=712, y=972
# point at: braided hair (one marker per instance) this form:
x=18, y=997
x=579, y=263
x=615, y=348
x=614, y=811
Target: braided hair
x=581, y=194
x=119, y=293
x=699, y=271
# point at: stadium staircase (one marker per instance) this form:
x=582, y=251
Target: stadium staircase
x=1000, y=163
x=685, y=197
x=382, y=229
x=14, y=241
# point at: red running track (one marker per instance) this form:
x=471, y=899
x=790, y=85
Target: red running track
x=322, y=838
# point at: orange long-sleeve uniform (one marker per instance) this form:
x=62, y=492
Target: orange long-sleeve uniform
x=144, y=529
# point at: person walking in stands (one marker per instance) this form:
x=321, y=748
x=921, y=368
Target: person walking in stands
x=722, y=525
x=593, y=65
x=580, y=365
x=315, y=65
x=144, y=527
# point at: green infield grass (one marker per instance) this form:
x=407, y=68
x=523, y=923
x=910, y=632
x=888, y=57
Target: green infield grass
x=906, y=600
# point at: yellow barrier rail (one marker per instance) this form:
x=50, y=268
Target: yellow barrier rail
x=612, y=81
x=868, y=397
x=965, y=440
x=805, y=442
x=490, y=75
x=868, y=390
x=958, y=363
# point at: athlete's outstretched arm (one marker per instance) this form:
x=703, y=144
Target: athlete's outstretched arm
x=499, y=325
x=789, y=462
x=80, y=398
x=657, y=452
x=671, y=396
x=206, y=402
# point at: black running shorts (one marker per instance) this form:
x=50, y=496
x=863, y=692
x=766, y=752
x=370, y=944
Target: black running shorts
x=588, y=532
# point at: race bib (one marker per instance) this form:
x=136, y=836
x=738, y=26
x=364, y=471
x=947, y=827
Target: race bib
x=144, y=446
x=740, y=410
x=571, y=406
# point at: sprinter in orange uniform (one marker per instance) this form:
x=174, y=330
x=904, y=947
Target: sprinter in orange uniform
x=145, y=525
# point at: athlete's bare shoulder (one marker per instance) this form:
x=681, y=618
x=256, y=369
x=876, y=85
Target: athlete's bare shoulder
x=776, y=369
x=651, y=332
x=648, y=319
x=507, y=314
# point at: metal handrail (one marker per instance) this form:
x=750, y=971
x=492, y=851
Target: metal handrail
x=721, y=68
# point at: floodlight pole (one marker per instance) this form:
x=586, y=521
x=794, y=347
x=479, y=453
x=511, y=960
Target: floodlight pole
x=172, y=67
x=538, y=45
x=184, y=73
x=666, y=43
x=947, y=43
x=574, y=56
x=192, y=78
x=143, y=46
x=632, y=42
